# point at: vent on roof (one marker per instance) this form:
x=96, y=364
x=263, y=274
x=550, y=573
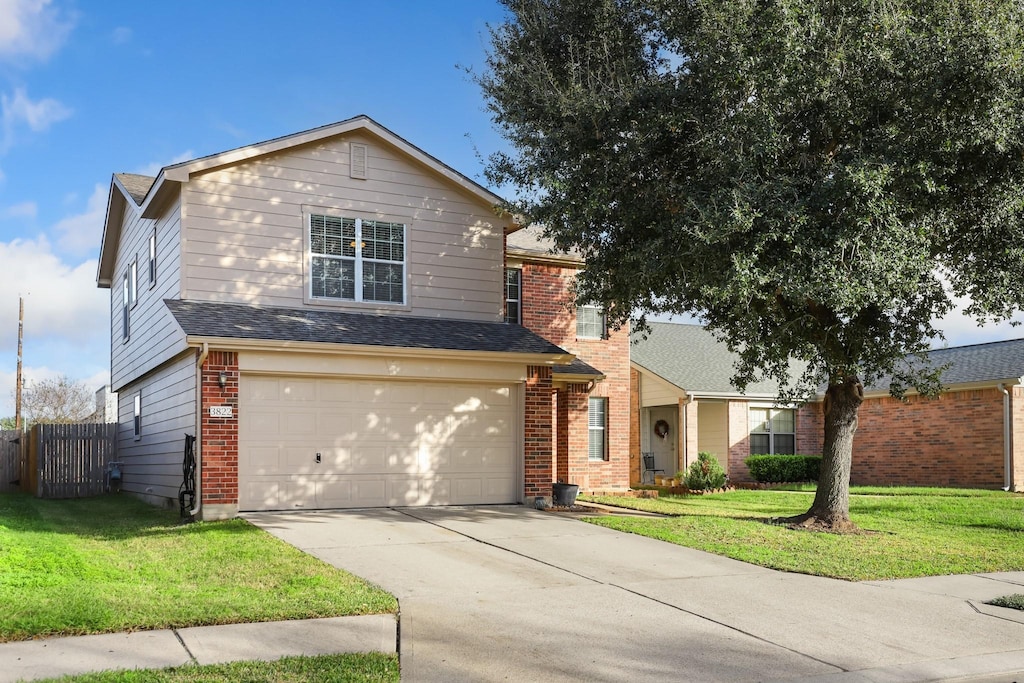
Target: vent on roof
x=357, y=165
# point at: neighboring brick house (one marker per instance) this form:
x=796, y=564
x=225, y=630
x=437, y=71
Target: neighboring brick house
x=971, y=435
x=590, y=401
x=684, y=403
x=324, y=312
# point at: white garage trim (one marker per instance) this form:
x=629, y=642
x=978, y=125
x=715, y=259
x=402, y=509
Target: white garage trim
x=311, y=442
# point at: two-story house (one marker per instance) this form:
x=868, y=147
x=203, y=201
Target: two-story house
x=325, y=313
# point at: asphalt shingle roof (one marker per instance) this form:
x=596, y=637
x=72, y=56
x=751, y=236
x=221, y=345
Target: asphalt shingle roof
x=691, y=358
x=237, y=321
x=531, y=241
x=137, y=185
x=578, y=367
x=974, y=363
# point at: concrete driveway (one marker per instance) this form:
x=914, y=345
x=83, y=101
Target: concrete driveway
x=515, y=594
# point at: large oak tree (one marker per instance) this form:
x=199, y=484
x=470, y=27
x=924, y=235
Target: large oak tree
x=816, y=179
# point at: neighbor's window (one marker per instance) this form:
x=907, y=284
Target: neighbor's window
x=352, y=259
x=513, y=295
x=597, y=421
x=772, y=431
x=590, y=322
x=138, y=415
x=152, y=258
x=125, y=306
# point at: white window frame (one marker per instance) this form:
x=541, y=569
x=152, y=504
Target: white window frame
x=125, y=308
x=594, y=429
x=152, y=258
x=602, y=323
x=358, y=259
x=134, y=290
x=137, y=415
x=516, y=301
x=771, y=433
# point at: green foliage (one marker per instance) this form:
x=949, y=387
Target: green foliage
x=705, y=473
x=369, y=667
x=908, y=531
x=784, y=468
x=113, y=563
x=1015, y=601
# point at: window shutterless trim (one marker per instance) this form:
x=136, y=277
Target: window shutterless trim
x=152, y=258
x=347, y=256
x=137, y=416
x=514, y=296
x=125, y=309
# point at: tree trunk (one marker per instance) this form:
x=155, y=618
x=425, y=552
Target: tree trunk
x=831, y=508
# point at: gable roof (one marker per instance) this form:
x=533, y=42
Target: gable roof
x=149, y=199
x=990, y=363
x=211, y=320
x=690, y=357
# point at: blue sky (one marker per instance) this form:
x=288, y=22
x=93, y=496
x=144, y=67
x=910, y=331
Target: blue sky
x=88, y=89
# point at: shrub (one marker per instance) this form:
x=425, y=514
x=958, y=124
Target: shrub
x=705, y=473
x=778, y=468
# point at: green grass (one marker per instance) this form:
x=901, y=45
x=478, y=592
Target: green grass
x=1015, y=601
x=914, y=531
x=348, y=668
x=113, y=563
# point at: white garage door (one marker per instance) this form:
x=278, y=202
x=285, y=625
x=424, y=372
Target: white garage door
x=331, y=443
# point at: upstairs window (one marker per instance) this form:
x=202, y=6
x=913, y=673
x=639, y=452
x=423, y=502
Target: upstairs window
x=152, y=258
x=590, y=322
x=513, y=296
x=352, y=259
x=133, y=293
x=772, y=431
x=125, y=306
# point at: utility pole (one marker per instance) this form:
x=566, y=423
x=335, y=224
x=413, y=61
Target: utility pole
x=17, y=390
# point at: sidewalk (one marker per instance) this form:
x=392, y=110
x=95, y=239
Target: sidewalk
x=53, y=657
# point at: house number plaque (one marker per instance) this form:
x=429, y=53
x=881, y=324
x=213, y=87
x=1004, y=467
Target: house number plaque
x=221, y=411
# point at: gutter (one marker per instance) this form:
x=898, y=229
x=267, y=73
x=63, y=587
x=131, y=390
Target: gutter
x=203, y=353
x=1007, y=439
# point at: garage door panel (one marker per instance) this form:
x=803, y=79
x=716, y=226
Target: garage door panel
x=381, y=443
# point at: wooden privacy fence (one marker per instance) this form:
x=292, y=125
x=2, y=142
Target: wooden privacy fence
x=10, y=460
x=69, y=460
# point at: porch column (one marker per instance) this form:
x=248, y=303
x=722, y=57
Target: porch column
x=688, y=439
x=218, y=450
x=538, y=461
x=578, y=413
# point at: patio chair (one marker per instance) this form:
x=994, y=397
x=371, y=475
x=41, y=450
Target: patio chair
x=649, y=469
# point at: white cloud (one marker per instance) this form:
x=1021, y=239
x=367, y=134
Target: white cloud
x=81, y=233
x=22, y=210
x=61, y=300
x=21, y=110
x=31, y=28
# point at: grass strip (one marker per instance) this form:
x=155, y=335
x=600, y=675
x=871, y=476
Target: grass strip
x=910, y=532
x=113, y=563
x=1015, y=601
x=346, y=668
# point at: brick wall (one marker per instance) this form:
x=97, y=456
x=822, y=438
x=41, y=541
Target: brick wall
x=547, y=311
x=538, y=453
x=810, y=429
x=739, y=440
x=634, y=427
x=953, y=440
x=219, y=447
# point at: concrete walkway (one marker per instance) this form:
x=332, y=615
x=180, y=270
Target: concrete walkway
x=511, y=593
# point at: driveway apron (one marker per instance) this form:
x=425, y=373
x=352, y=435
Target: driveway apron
x=508, y=593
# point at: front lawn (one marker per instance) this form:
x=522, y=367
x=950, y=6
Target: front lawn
x=113, y=563
x=913, y=532
x=347, y=668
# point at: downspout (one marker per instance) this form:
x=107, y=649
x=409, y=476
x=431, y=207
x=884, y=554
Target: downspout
x=1007, y=440
x=203, y=353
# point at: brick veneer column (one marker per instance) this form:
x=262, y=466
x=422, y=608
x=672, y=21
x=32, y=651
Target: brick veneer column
x=561, y=435
x=538, y=460
x=739, y=440
x=577, y=399
x=219, y=447
x=634, y=427
x=690, y=442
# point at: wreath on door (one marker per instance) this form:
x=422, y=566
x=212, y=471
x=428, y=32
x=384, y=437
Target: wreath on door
x=661, y=428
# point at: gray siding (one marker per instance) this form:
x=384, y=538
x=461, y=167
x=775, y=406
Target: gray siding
x=155, y=337
x=244, y=227
x=153, y=462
